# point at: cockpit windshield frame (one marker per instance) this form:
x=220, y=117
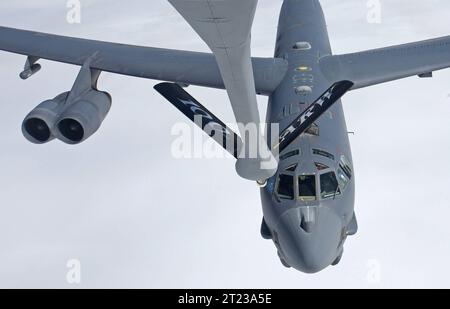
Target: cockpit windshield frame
x=325, y=184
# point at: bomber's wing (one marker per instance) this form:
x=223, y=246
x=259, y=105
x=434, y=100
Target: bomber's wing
x=377, y=66
x=182, y=67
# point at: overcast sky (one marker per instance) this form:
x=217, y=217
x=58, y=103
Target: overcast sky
x=135, y=217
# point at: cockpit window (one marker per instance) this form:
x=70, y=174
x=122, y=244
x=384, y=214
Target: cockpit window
x=292, y=168
x=307, y=187
x=329, y=186
x=344, y=164
x=321, y=166
x=285, y=188
x=342, y=178
x=344, y=172
x=323, y=153
x=290, y=154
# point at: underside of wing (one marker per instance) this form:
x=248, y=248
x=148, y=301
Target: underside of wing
x=387, y=64
x=183, y=67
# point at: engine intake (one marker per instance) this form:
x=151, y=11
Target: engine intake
x=38, y=125
x=83, y=118
x=73, y=116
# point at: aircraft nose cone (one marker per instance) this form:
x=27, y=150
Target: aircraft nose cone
x=309, y=237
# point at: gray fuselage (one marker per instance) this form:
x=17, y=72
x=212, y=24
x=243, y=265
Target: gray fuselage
x=308, y=205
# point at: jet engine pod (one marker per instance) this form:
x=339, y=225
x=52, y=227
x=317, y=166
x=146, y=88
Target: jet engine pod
x=38, y=124
x=83, y=118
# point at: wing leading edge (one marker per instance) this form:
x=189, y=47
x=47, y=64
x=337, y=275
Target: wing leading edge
x=184, y=67
x=382, y=65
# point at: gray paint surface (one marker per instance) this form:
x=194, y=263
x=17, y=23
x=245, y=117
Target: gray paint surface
x=313, y=250
x=155, y=63
x=406, y=273
x=387, y=64
x=225, y=26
